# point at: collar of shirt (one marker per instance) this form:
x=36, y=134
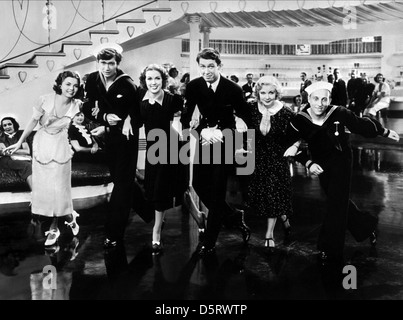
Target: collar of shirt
x=10, y=135
x=214, y=85
x=272, y=110
x=152, y=99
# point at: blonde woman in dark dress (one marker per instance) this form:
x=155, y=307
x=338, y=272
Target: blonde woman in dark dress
x=269, y=190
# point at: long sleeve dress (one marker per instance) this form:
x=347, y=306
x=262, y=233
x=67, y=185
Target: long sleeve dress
x=161, y=176
x=51, y=165
x=270, y=190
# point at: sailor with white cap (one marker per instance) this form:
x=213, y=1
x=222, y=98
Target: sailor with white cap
x=112, y=100
x=322, y=126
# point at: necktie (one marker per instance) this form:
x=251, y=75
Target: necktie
x=211, y=89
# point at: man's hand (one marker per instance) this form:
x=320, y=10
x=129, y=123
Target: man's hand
x=95, y=110
x=112, y=119
x=211, y=135
x=393, y=135
x=99, y=131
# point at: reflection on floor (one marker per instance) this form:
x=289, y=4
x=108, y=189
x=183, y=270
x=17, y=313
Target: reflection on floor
x=236, y=272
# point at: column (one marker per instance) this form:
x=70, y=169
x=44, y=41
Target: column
x=194, y=25
x=206, y=36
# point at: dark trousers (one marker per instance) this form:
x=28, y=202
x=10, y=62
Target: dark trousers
x=121, y=155
x=341, y=213
x=210, y=183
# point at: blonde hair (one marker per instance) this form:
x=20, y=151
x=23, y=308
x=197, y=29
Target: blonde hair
x=269, y=81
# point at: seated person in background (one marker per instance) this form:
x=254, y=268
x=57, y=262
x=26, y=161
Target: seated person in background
x=20, y=161
x=380, y=100
x=297, y=103
x=173, y=83
x=81, y=140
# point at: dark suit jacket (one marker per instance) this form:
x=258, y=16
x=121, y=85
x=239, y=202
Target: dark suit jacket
x=339, y=93
x=218, y=108
x=246, y=88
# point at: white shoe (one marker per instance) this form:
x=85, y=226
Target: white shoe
x=73, y=224
x=52, y=236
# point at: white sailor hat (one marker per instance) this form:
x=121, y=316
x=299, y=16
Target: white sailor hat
x=107, y=45
x=318, y=86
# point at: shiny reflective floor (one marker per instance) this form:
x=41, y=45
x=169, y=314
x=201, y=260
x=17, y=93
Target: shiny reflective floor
x=236, y=272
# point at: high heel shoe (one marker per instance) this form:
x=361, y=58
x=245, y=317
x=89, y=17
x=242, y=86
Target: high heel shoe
x=73, y=224
x=269, y=244
x=52, y=236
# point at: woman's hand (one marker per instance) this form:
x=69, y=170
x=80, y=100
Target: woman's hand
x=127, y=129
x=11, y=149
x=315, y=169
x=240, y=125
x=291, y=151
x=94, y=148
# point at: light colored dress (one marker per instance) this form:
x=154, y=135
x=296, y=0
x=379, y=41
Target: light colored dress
x=51, y=165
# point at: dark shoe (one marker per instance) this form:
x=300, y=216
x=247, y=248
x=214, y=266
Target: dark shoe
x=73, y=248
x=287, y=230
x=52, y=250
x=245, y=230
x=373, y=238
x=203, y=251
x=156, y=248
x=109, y=244
x=325, y=258
x=269, y=244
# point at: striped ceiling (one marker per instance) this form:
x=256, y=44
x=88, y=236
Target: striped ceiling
x=331, y=16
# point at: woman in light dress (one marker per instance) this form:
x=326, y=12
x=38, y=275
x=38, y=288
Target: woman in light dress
x=52, y=154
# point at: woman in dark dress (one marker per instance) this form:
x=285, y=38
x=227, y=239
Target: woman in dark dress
x=157, y=108
x=269, y=190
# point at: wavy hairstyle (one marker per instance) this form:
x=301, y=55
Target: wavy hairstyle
x=63, y=76
x=269, y=81
x=16, y=125
x=156, y=67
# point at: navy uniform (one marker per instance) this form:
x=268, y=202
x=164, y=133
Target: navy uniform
x=330, y=148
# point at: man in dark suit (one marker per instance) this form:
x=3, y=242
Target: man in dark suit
x=112, y=100
x=248, y=86
x=222, y=108
x=305, y=83
x=339, y=91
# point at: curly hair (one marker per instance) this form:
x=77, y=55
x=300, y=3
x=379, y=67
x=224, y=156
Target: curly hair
x=63, y=76
x=156, y=67
x=16, y=125
x=269, y=81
